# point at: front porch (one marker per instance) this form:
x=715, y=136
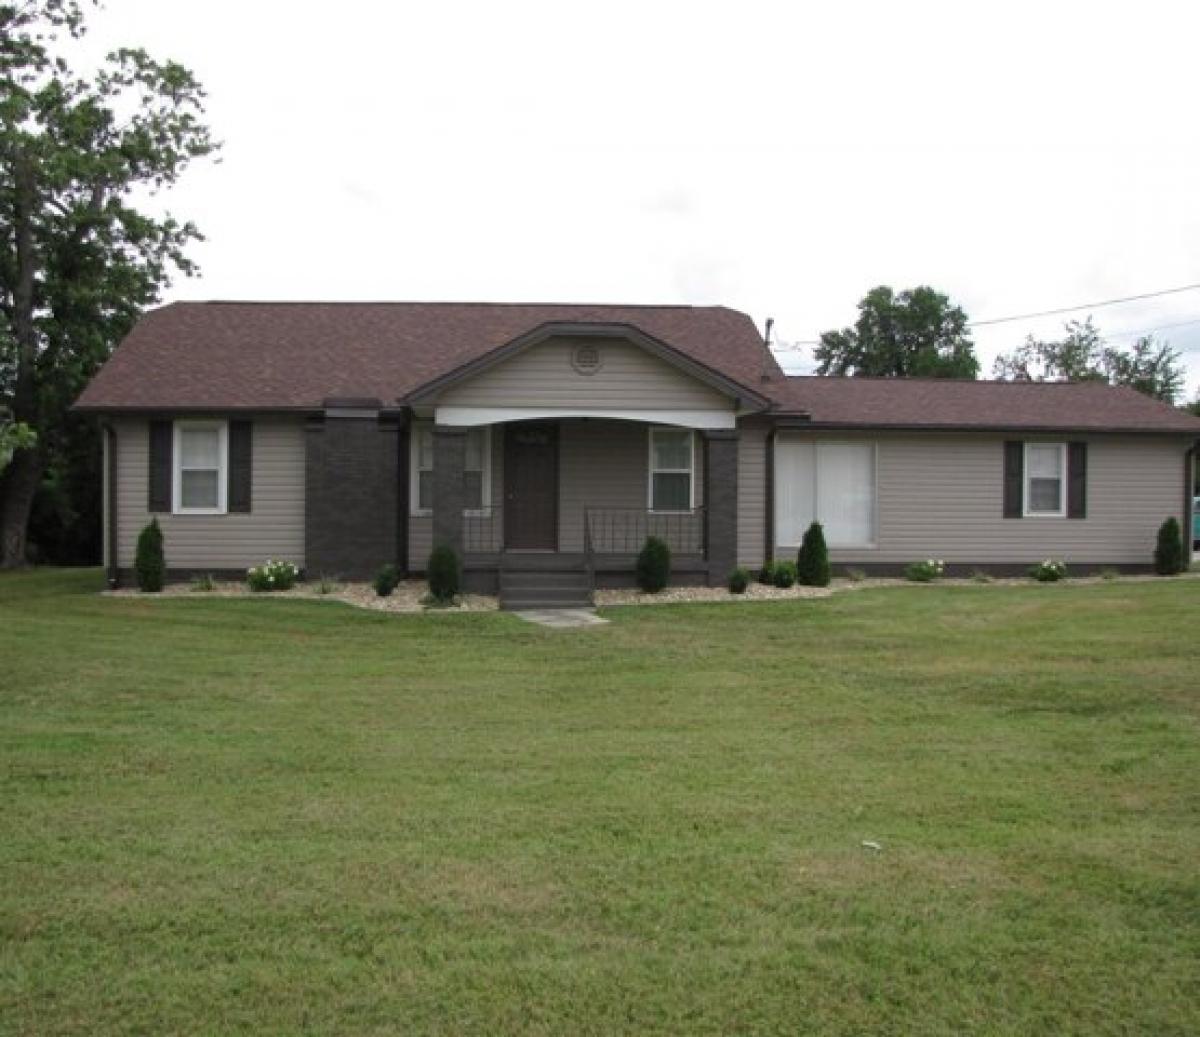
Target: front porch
x=545, y=509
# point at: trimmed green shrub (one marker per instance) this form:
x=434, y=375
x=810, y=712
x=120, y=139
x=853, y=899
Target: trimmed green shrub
x=386, y=581
x=1048, y=571
x=444, y=573
x=1168, y=552
x=273, y=576
x=739, y=580
x=784, y=574
x=653, y=565
x=766, y=575
x=149, y=563
x=812, y=564
x=925, y=571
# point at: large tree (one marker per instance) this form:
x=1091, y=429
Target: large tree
x=82, y=251
x=1081, y=355
x=918, y=332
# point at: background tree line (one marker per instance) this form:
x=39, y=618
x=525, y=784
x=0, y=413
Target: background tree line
x=919, y=332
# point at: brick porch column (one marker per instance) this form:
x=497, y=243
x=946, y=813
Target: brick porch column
x=352, y=488
x=721, y=501
x=449, y=461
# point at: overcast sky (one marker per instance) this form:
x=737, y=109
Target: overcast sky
x=777, y=158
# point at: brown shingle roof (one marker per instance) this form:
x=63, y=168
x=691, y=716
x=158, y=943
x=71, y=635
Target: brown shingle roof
x=232, y=355
x=950, y=403
x=224, y=355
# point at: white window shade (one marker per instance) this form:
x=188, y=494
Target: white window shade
x=795, y=489
x=846, y=492
x=831, y=483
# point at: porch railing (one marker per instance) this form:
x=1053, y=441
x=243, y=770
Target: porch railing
x=623, y=531
x=481, y=531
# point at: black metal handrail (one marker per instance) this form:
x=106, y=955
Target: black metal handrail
x=481, y=531
x=624, y=530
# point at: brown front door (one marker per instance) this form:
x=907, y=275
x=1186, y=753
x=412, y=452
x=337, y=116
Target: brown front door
x=531, y=487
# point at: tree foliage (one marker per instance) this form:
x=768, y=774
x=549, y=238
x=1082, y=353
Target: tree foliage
x=1082, y=355
x=917, y=333
x=82, y=254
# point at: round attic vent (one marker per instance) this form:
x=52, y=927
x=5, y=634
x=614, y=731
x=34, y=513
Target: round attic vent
x=585, y=358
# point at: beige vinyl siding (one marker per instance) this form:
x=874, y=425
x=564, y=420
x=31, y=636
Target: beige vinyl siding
x=942, y=495
x=600, y=463
x=752, y=494
x=273, y=529
x=542, y=376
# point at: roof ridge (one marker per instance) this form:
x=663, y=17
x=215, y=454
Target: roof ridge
x=442, y=302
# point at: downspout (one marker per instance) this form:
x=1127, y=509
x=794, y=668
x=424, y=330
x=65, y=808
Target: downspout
x=113, y=572
x=769, y=517
x=1189, y=492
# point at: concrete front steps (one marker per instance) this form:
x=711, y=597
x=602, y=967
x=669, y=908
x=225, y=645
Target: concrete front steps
x=545, y=588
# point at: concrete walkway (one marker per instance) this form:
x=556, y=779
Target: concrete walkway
x=561, y=619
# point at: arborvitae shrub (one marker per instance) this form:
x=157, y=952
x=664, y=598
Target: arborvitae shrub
x=444, y=573
x=812, y=564
x=149, y=564
x=653, y=565
x=386, y=581
x=1168, y=552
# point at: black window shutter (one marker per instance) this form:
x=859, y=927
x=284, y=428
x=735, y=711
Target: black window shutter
x=240, y=463
x=1076, y=480
x=161, y=441
x=1014, y=478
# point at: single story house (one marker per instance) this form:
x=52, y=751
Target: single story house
x=544, y=443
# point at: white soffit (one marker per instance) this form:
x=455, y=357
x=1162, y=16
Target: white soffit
x=471, y=416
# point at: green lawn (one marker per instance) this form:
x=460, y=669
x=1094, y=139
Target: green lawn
x=267, y=816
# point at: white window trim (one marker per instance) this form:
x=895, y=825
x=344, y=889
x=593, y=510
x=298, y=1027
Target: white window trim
x=222, y=428
x=414, y=472
x=652, y=471
x=1062, y=481
x=869, y=545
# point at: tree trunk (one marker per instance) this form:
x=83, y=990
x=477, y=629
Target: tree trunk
x=19, y=481
x=18, y=485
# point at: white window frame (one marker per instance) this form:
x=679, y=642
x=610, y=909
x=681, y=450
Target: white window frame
x=1026, y=477
x=690, y=471
x=222, y=427
x=414, y=470
x=869, y=545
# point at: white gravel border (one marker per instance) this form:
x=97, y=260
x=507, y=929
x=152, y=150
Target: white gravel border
x=407, y=597
x=410, y=594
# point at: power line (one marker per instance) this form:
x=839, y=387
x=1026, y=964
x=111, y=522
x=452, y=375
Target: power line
x=1147, y=331
x=795, y=344
x=1085, y=306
